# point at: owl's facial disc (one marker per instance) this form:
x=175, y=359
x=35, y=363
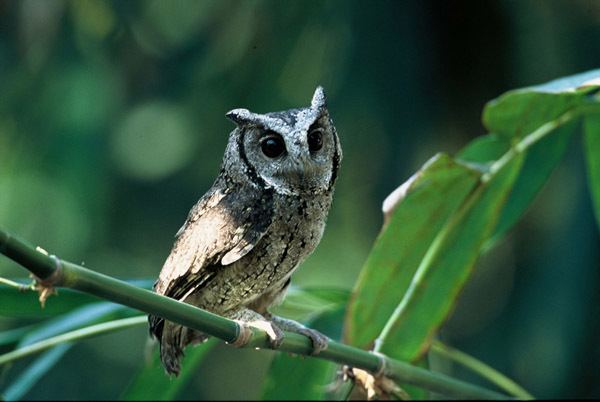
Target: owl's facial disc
x=294, y=151
x=294, y=160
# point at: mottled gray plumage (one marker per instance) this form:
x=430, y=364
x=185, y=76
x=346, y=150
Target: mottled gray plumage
x=264, y=214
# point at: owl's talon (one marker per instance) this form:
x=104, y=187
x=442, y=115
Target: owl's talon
x=319, y=340
x=276, y=335
x=277, y=340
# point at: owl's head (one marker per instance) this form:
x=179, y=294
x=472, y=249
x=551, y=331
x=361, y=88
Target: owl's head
x=296, y=151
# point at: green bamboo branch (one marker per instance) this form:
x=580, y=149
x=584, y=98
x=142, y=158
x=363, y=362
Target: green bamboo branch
x=482, y=369
x=54, y=272
x=78, y=334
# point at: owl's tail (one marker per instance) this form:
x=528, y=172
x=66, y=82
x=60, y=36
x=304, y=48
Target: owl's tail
x=173, y=338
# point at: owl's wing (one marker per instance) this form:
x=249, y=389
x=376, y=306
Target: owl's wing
x=220, y=229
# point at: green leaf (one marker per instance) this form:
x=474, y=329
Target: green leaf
x=297, y=378
x=152, y=383
x=592, y=153
x=423, y=206
x=14, y=335
x=306, y=304
x=485, y=149
x=83, y=316
x=34, y=372
x=16, y=303
x=445, y=268
x=540, y=161
x=519, y=112
x=25, y=303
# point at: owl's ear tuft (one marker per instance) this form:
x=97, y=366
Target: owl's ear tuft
x=319, y=100
x=240, y=116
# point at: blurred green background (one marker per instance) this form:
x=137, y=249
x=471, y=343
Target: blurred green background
x=112, y=126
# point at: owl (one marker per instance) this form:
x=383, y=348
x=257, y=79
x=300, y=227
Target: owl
x=264, y=214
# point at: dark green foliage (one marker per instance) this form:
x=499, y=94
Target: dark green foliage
x=112, y=124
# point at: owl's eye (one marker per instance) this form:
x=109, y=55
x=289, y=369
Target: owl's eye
x=273, y=146
x=315, y=140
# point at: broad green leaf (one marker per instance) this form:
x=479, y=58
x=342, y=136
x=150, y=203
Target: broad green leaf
x=423, y=206
x=445, y=268
x=36, y=370
x=592, y=153
x=540, y=161
x=519, y=112
x=306, y=304
x=297, y=378
x=25, y=303
x=151, y=382
x=485, y=149
x=16, y=303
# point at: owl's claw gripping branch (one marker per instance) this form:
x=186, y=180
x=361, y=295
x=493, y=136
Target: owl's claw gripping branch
x=319, y=340
x=275, y=326
x=275, y=334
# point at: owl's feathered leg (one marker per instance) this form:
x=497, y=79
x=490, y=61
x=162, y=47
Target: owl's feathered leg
x=319, y=340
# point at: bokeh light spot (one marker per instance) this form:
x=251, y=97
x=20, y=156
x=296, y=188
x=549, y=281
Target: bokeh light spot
x=153, y=141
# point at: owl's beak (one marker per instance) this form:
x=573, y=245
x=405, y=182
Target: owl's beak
x=301, y=172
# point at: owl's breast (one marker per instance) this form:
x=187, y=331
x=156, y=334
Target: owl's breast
x=296, y=229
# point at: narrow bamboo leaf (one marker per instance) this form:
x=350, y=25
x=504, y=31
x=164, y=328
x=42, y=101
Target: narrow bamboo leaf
x=480, y=368
x=519, y=112
x=540, y=161
x=75, y=335
x=592, y=153
x=25, y=304
x=78, y=318
x=424, y=204
x=35, y=372
x=151, y=382
x=14, y=335
x=445, y=268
